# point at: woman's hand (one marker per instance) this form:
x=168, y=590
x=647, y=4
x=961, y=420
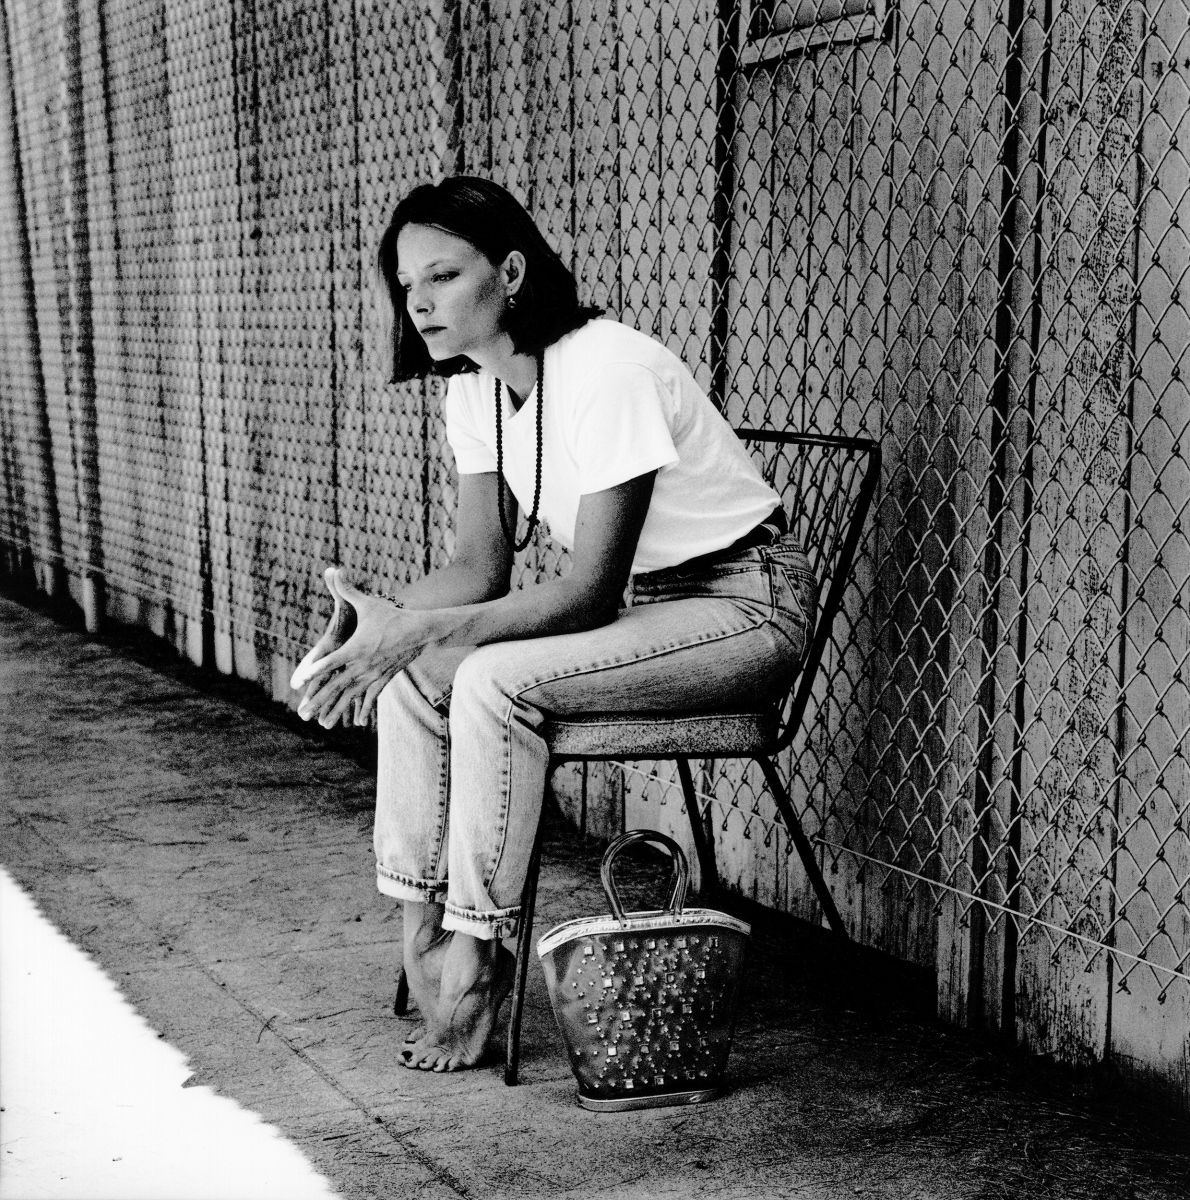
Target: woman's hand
x=338, y=630
x=357, y=656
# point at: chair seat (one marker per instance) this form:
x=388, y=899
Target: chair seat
x=664, y=735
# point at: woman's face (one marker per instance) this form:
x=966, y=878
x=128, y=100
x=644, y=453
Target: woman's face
x=455, y=296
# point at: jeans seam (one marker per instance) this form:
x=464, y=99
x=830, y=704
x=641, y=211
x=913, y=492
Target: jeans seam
x=801, y=650
x=502, y=921
x=661, y=652
x=426, y=885
x=470, y=914
x=443, y=797
x=505, y=788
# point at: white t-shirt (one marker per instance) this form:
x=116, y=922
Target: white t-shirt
x=617, y=404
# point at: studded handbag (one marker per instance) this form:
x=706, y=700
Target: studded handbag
x=646, y=1001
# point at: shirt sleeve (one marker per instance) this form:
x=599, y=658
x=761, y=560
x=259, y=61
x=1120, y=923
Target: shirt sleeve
x=623, y=426
x=464, y=431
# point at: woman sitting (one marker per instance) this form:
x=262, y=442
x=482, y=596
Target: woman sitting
x=603, y=435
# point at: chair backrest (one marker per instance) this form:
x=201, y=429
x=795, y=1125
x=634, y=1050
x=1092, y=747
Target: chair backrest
x=826, y=483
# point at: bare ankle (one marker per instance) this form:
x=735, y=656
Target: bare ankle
x=471, y=957
x=426, y=944
x=423, y=925
x=427, y=938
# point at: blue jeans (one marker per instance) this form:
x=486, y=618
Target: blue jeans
x=461, y=763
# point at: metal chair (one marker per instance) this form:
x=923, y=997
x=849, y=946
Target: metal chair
x=826, y=483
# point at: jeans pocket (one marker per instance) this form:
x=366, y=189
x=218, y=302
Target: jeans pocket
x=795, y=587
x=743, y=577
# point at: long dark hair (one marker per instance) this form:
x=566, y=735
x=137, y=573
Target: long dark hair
x=494, y=222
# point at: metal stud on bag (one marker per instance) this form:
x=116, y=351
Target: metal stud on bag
x=646, y=1000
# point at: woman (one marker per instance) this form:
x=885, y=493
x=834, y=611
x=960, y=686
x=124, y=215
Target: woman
x=603, y=434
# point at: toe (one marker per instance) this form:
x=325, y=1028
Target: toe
x=414, y=1056
x=432, y=1058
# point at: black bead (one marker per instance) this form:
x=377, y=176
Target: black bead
x=510, y=534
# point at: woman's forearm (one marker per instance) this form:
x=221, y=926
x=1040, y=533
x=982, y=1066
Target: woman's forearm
x=451, y=586
x=557, y=606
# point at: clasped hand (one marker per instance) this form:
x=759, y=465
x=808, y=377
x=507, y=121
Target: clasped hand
x=366, y=643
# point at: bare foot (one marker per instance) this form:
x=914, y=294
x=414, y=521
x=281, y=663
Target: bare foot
x=476, y=977
x=426, y=944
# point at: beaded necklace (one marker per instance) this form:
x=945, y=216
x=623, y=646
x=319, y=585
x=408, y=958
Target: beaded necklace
x=510, y=534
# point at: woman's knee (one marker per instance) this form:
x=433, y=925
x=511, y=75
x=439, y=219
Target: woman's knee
x=396, y=703
x=422, y=691
x=478, y=678
x=488, y=681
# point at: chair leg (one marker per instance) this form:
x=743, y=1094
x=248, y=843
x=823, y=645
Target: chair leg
x=524, y=946
x=703, y=846
x=401, y=999
x=804, y=849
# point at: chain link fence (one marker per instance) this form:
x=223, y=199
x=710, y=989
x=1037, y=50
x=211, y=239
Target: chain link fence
x=962, y=228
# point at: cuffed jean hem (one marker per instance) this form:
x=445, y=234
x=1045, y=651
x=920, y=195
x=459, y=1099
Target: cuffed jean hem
x=401, y=887
x=488, y=926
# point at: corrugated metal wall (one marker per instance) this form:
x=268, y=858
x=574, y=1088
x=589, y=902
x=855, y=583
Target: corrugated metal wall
x=959, y=227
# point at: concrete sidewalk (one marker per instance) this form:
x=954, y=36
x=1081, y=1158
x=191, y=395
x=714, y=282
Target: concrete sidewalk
x=216, y=860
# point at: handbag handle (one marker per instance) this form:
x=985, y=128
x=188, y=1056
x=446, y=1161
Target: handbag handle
x=677, y=900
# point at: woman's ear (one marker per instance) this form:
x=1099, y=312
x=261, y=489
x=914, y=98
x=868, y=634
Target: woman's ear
x=513, y=271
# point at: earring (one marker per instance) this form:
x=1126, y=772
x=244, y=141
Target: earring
x=512, y=300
